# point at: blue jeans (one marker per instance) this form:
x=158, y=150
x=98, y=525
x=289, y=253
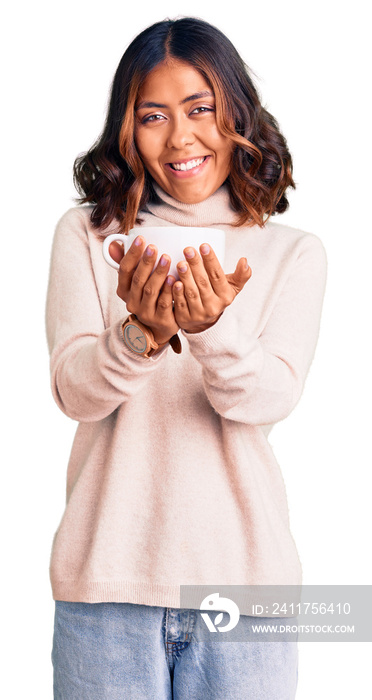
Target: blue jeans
x=112, y=651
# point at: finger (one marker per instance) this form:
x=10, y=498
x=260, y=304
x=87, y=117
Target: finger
x=116, y=250
x=190, y=288
x=128, y=264
x=199, y=275
x=142, y=273
x=214, y=271
x=132, y=257
x=133, y=254
x=240, y=276
x=164, y=305
x=181, y=309
x=155, y=282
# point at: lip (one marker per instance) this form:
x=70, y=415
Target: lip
x=181, y=174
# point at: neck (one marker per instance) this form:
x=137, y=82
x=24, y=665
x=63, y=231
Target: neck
x=215, y=210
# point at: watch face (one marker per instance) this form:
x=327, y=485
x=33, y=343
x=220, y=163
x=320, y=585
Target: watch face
x=135, y=338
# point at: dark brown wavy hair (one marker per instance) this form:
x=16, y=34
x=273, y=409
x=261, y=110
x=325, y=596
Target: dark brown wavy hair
x=111, y=175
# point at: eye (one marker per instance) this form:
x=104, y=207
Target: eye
x=152, y=118
x=200, y=110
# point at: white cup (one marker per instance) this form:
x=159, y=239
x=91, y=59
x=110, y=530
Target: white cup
x=170, y=240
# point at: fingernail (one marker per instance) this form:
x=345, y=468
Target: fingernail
x=189, y=252
x=163, y=261
x=178, y=286
x=182, y=267
x=149, y=251
x=138, y=240
x=205, y=249
x=170, y=280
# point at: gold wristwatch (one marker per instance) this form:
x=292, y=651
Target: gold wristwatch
x=140, y=339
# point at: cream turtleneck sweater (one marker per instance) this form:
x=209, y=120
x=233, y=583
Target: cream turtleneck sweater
x=171, y=478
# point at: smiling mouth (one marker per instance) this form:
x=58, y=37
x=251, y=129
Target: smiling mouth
x=188, y=165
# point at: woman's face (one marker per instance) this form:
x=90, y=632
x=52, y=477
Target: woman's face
x=176, y=132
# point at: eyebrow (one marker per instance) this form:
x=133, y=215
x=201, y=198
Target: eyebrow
x=195, y=96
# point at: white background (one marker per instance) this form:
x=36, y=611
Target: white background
x=313, y=71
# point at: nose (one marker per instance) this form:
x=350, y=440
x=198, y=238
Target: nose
x=180, y=133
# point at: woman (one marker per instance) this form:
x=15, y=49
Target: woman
x=171, y=479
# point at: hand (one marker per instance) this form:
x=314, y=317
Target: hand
x=146, y=291
x=204, y=291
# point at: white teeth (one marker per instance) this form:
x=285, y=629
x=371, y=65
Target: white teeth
x=188, y=166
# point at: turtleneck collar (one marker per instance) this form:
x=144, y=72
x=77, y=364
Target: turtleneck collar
x=215, y=210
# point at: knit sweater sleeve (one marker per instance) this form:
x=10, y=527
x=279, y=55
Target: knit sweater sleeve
x=259, y=379
x=92, y=371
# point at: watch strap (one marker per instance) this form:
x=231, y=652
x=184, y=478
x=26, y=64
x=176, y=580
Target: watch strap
x=175, y=343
